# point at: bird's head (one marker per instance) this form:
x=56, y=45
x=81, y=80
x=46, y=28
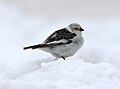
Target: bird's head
x=75, y=28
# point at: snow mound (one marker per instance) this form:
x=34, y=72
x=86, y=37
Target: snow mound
x=97, y=52
x=68, y=74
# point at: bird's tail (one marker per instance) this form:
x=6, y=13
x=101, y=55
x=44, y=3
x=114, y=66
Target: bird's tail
x=36, y=46
x=43, y=45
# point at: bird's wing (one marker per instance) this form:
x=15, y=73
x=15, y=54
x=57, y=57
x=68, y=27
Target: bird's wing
x=60, y=36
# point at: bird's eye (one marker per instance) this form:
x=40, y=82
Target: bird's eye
x=75, y=28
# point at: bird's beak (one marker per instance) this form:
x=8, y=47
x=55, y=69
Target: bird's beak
x=81, y=29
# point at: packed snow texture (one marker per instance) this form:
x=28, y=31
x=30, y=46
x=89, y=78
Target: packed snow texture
x=95, y=66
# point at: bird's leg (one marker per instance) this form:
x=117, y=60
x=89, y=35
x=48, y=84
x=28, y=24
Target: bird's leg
x=63, y=57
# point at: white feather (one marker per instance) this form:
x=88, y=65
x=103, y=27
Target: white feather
x=60, y=41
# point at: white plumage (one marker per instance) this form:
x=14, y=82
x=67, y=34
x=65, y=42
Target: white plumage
x=62, y=43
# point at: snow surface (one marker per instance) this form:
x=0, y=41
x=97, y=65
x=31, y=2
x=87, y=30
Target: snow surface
x=95, y=66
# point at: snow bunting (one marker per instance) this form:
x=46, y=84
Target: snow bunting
x=62, y=43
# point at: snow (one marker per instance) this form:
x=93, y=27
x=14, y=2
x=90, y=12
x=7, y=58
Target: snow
x=95, y=66
x=67, y=74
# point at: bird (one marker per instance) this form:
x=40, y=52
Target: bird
x=62, y=43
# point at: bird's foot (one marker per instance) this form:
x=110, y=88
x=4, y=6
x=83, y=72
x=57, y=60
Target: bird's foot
x=63, y=57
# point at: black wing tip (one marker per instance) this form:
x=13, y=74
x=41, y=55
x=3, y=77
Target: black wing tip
x=24, y=48
x=29, y=47
x=33, y=47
